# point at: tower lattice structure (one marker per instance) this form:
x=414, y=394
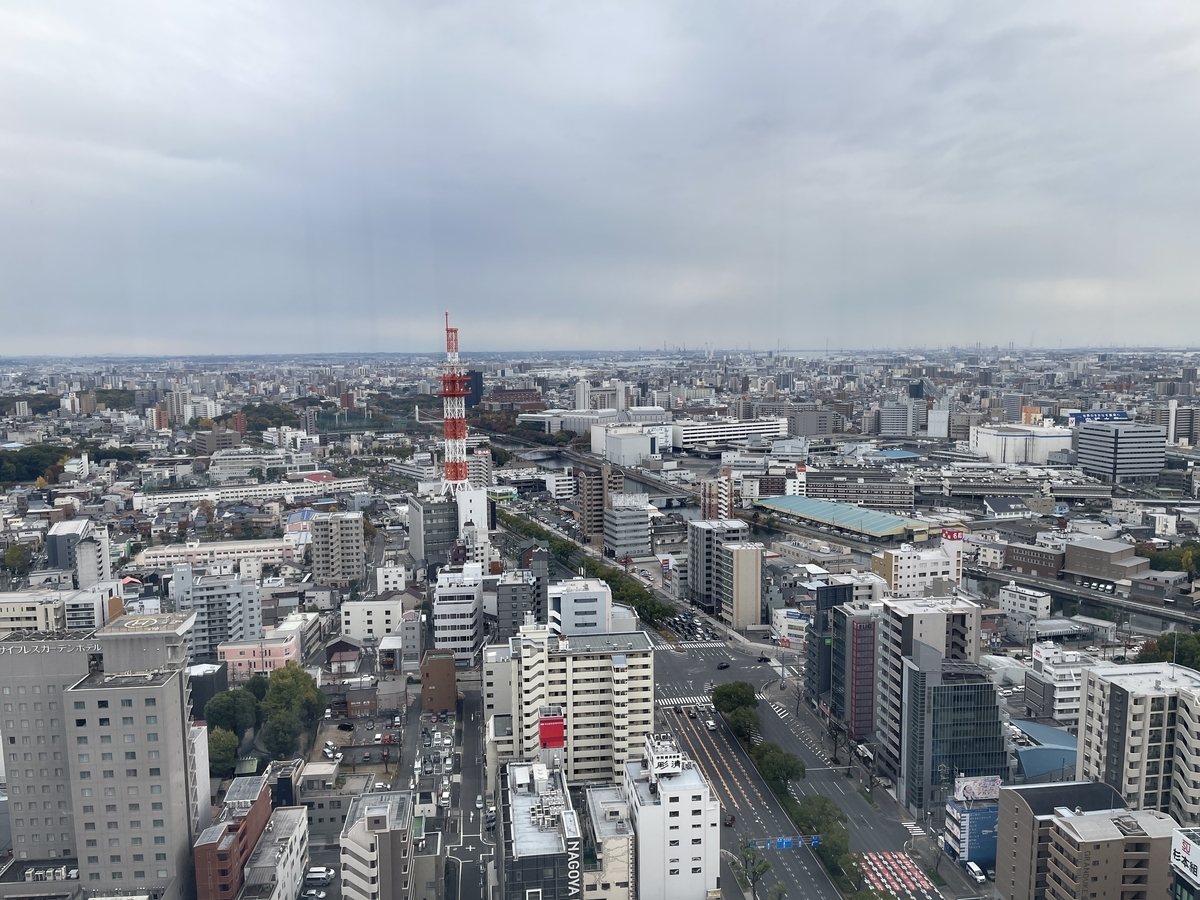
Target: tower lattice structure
x=454, y=392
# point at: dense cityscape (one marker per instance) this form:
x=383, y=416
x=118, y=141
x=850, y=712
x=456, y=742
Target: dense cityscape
x=683, y=624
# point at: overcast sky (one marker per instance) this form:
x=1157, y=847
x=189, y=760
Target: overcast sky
x=296, y=176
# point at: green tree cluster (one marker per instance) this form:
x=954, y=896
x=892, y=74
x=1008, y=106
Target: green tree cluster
x=1183, y=558
x=777, y=766
x=1164, y=650
x=232, y=711
x=261, y=416
x=735, y=695
x=222, y=752
x=16, y=559
x=39, y=404
x=292, y=703
x=31, y=463
x=820, y=815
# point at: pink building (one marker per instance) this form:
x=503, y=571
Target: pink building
x=263, y=656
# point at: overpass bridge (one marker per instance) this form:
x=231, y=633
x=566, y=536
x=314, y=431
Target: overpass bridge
x=1066, y=590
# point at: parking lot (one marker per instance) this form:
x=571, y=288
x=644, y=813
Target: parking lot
x=365, y=744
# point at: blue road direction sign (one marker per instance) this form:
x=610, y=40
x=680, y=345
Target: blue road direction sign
x=815, y=841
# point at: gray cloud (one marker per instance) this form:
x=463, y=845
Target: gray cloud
x=310, y=176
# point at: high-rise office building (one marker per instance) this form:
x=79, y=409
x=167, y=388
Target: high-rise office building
x=433, y=528
x=949, y=624
x=854, y=628
x=951, y=728
x=627, y=526
x=458, y=612
x=704, y=535
x=1121, y=451
x=338, y=551
x=138, y=766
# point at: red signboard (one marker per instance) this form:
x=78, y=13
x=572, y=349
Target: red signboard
x=552, y=732
x=952, y=534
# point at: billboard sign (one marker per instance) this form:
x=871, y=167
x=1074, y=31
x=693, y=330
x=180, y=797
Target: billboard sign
x=1097, y=415
x=1185, y=853
x=983, y=787
x=952, y=534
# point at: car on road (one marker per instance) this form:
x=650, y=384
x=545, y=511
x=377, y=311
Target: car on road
x=723, y=665
x=479, y=801
x=729, y=820
x=382, y=786
x=976, y=873
x=367, y=756
x=710, y=725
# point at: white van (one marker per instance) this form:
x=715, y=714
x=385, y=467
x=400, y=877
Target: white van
x=710, y=725
x=321, y=875
x=379, y=739
x=977, y=873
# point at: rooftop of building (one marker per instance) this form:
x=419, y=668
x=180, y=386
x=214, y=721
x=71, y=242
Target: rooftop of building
x=260, y=868
x=103, y=681
x=45, y=872
x=847, y=516
x=1105, y=826
x=161, y=623
x=542, y=817
x=246, y=789
x=621, y=642
x=1148, y=678
x=1044, y=799
x=395, y=805
x=717, y=524
x=608, y=812
x=687, y=778
x=47, y=637
x=929, y=604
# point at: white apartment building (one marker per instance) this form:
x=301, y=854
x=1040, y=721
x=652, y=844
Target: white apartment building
x=239, y=462
x=32, y=611
x=227, y=608
x=1014, y=599
x=1130, y=736
x=338, y=551
x=689, y=433
x=704, y=536
x=948, y=624
x=389, y=578
x=1053, y=685
x=271, y=551
x=458, y=612
x=627, y=526
x=908, y=570
x=677, y=818
x=369, y=620
x=596, y=690
x=276, y=868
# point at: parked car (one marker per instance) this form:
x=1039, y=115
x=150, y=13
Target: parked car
x=345, y=726
x=976, y=873
x=314, y=894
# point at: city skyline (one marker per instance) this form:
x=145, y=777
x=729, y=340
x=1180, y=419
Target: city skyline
x=291, y=179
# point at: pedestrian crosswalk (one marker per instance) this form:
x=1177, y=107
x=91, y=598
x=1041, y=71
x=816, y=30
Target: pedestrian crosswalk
x=660, y=642
x=914, y=829
x=667, y=702
x=781, y=711
x=702, y=644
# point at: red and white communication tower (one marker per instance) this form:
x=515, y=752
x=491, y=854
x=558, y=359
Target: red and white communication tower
x=454, y=415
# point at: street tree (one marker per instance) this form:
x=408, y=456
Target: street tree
x=222, y=752
x=728, y=697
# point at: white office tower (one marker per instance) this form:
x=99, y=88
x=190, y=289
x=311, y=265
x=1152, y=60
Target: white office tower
x=458, y=611
x=676, y=816
x=138, y=767
x=583, y=394
x=584, y=606
x=227, y=608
